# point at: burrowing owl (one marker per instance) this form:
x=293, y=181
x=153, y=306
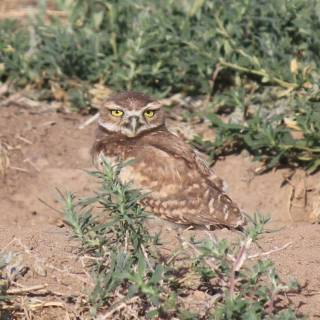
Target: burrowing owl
x=177, y=181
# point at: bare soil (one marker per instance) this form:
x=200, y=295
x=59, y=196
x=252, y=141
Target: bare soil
x=48, y=151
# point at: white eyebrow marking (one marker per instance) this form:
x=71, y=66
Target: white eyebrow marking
x=154, y=105
x=112, y=106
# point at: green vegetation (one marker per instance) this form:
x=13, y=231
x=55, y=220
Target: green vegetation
x=267, y=137
x=131, y=277
x=254, y=59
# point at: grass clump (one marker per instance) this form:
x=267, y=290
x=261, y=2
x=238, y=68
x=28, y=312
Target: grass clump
x=269, y=138
x=253, y=60
x=131, y=277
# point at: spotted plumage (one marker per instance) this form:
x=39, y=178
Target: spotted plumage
x=181, y=187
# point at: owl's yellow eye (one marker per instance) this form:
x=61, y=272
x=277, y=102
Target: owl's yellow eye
x=117, y=113
x=149, y=113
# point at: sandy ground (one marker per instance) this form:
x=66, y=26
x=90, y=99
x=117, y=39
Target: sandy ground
x=47, y=150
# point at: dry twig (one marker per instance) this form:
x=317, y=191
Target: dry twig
x=89, y=121
x=26, y=290
x=263, y=254
x=117, y=306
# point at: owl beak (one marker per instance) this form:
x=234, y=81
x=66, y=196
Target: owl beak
x=134, y=124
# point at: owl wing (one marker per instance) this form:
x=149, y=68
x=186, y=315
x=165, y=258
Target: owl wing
x=175, y=146
x=204, y=168
x=203, y=201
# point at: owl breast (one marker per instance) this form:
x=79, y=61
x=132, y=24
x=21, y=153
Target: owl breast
x=149, y=169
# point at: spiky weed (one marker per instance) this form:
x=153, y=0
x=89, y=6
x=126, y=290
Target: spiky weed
x=130, y=276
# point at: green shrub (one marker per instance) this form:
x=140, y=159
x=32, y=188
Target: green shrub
x=257, y=59
x=128, y=269
x=169, y=47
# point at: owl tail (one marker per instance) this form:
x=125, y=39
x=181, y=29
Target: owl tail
x=228, y=213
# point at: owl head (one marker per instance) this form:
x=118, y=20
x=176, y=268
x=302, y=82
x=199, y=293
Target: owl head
x=131, y=114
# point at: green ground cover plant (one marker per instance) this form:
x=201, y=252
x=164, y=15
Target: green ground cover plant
x=132, y=278
x=255, y=61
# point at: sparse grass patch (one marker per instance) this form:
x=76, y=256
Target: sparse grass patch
x=132, y=278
